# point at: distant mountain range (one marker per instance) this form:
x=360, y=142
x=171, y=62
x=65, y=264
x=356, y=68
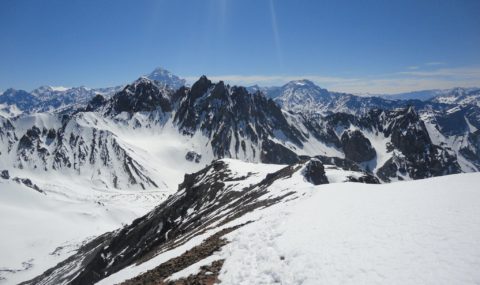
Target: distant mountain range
x=455, y=95
x=63, y=99
x=296, y=96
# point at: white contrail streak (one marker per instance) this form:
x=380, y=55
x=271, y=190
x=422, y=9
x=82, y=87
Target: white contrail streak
x=276, y=36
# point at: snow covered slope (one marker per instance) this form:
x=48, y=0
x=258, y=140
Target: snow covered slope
x=9, y=111
x=460, y=96
x=45, y=223
x=306, y=97
x=40, y=145
x=421, y=232
x=241, y=223
x=166, y=77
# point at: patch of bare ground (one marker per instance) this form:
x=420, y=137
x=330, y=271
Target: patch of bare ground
x=207, y=275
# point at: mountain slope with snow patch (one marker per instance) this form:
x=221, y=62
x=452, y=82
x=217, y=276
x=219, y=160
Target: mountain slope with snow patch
x=278, y=227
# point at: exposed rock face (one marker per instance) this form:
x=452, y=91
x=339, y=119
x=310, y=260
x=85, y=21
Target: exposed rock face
x=4, y=174
x=472, y=150
x=193, y=156
x=276, y=153
x=348, y=165
x=28, y=140
x=314, y=172
x=356, y=146
x=419, y=157
x=457, y=129
x=367, y=179
x=73, y=148
x=96, y=102
x=8, y=137
x=231, y=116
x=408, y=142
x=408, y=132
x=344, y=164
x=434, y=162
x=142, y=95
x=27, y=182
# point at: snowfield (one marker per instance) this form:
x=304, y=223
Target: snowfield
x=38, y=230
x=416, y=232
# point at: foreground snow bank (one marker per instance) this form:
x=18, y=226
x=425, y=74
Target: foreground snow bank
x=418, y=232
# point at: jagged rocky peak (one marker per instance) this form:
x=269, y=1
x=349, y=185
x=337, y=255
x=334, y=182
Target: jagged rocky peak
x=407, y=131
x=408, y=151
x=142, y=95
x=414, y=154
x=200, y=87
x=238, y=123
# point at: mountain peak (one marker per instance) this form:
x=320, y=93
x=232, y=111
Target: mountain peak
x=164, y=76
x=9, y=91
x=12, y=92
x=301, y=83
x=41, y=89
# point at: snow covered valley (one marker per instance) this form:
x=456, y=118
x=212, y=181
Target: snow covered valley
x=40, y=229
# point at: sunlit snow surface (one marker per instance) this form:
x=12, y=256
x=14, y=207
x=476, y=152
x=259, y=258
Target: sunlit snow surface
x=416, y=232
x=38, y=230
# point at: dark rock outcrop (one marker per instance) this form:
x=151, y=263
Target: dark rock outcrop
x=356, y=146
x=96, y=102
x=4, y=174
x=142, y=95
x=314, y=172
x=277, y=154
x=233, y=116
x=193, y=156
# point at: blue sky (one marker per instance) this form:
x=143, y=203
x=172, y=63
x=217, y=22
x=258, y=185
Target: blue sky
x=355, y=46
